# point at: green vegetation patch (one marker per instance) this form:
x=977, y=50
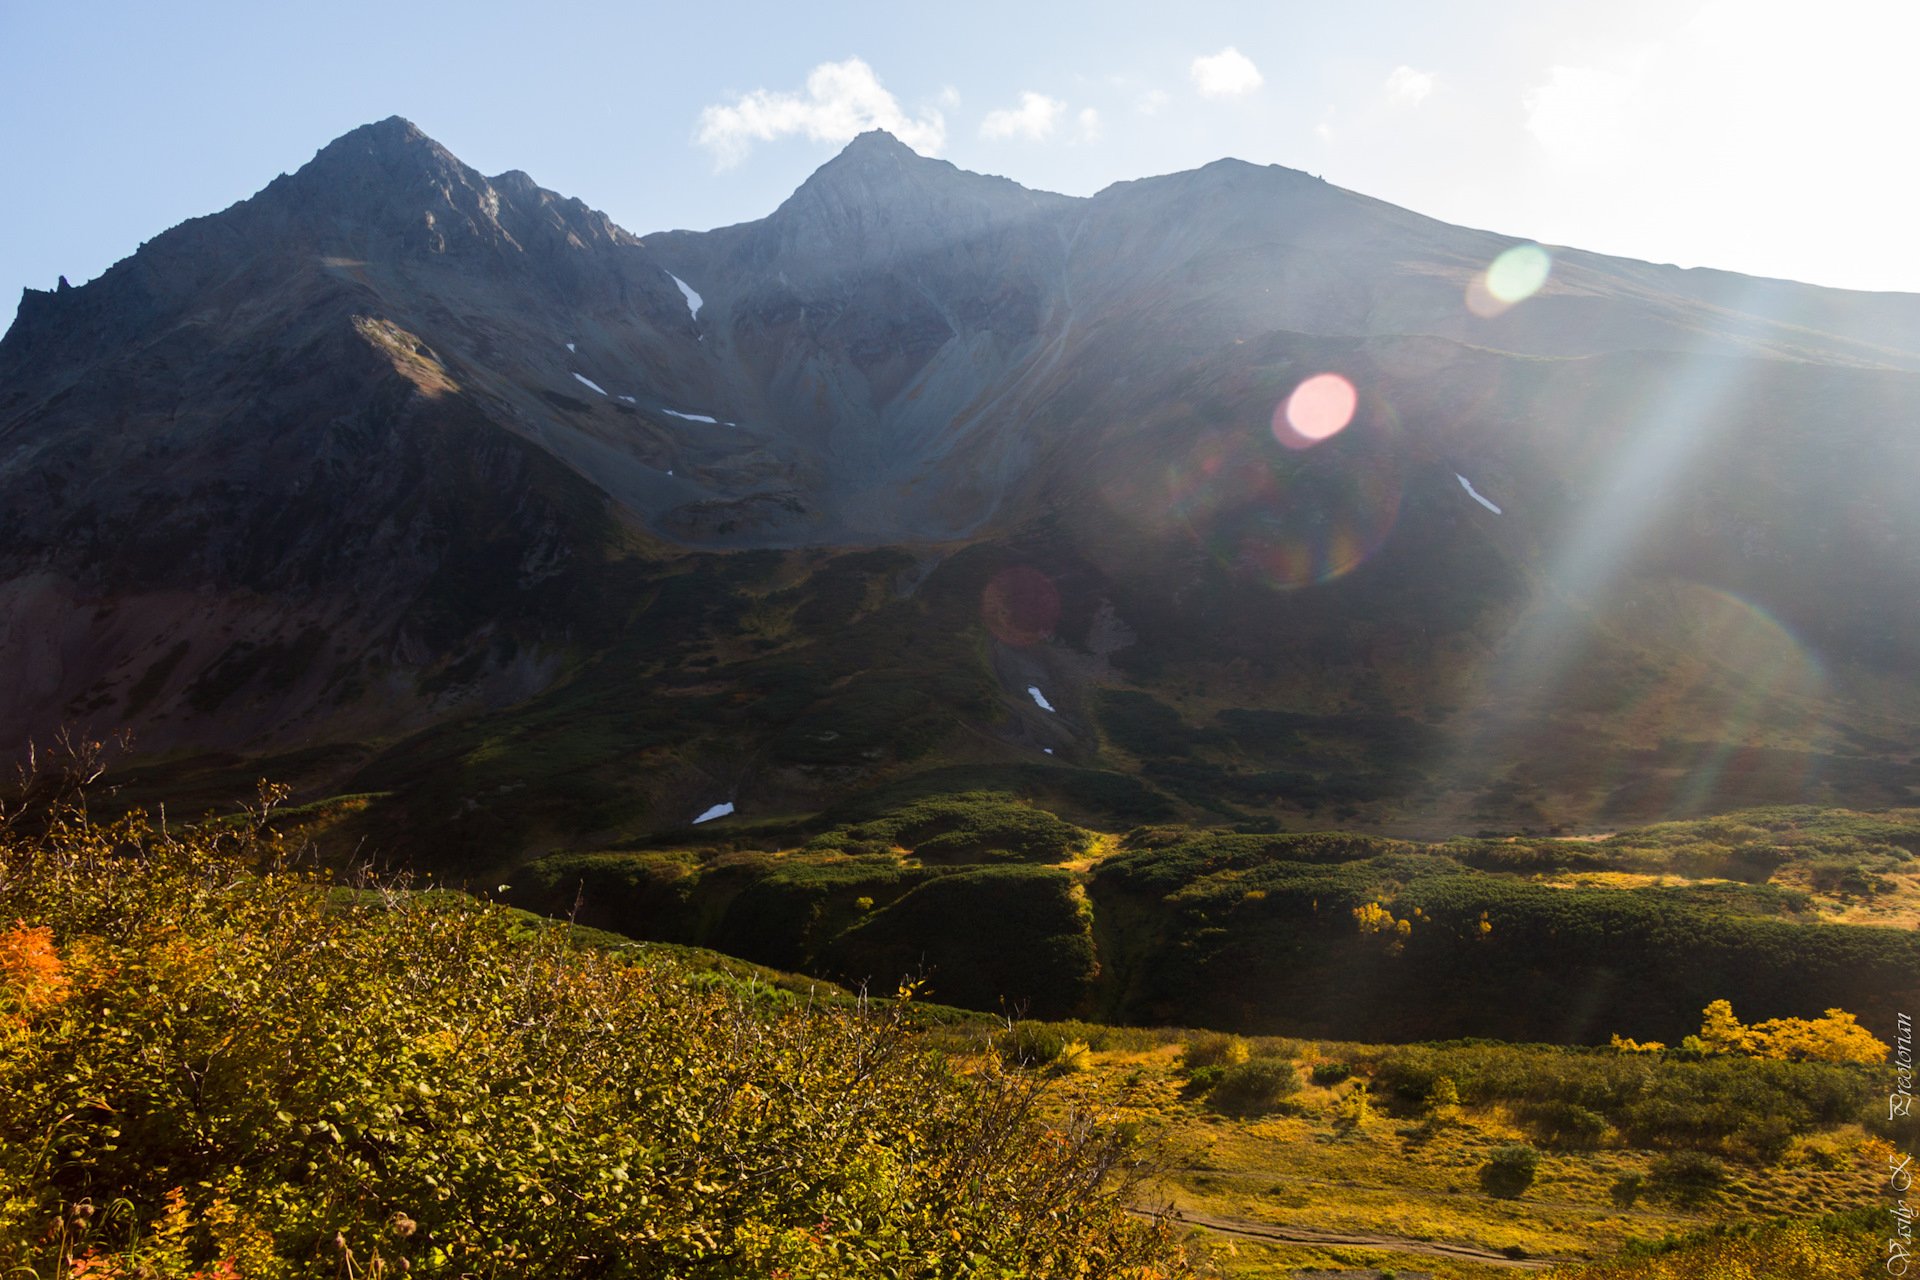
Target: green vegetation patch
x=1014, y=937
x=1839, y=1247
x=1363, y=938
x=214, y=1066
x=972, y=827
x=1569, y=1097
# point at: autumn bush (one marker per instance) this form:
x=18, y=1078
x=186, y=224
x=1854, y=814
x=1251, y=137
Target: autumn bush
x=1255, y=1086
x=1842, y=1247
x=1510, y=1170
x=214, y=1066
x=1731, y=1103
x=1214, y=1050
x=1687, y=1177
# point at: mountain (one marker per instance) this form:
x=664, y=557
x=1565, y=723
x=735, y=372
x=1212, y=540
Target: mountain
x=445, y=491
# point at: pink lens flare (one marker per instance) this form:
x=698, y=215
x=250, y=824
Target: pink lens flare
x=1319, y=409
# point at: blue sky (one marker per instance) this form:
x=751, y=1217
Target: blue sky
x=1767, y=137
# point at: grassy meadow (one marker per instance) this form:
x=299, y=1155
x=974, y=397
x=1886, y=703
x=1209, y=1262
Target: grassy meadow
x=1651, y=1054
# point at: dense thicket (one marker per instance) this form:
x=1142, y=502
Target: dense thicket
x=215, y=1068
x=1849, y=1246
x=1741, y=1106
x=1258, y=933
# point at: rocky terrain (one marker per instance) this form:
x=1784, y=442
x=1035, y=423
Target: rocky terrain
x=414, y=481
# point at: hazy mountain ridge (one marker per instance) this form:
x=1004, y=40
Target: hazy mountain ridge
x=393, y=441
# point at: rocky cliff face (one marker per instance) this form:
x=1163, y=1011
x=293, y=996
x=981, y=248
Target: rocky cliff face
x=393, y=441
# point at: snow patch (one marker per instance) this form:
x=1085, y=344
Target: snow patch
x=686, y=290
x=629, y=399
x=569, y=346
x=1475, y=493
x=718, y=811
x=585, y=381
x=1048, y=750
x=1039, y=698
x=694, y=417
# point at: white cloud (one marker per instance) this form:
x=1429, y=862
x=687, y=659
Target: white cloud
x=949, y=97
x=841, y=99
x=1033, y=119
x=1089, y=125
x=1152, y=101
x=1584, y=116
x=1226, y=74
x=1407, y=87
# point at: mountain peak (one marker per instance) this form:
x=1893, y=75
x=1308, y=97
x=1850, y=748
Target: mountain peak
x=388, y=146
x=878, y=171
x=876, y=155
x=879, y=197
x=393, y=129
x=877, y=143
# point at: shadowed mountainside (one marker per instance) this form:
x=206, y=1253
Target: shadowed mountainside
x=413, y=481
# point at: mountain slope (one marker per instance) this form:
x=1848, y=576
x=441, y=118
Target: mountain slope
x=557, y=532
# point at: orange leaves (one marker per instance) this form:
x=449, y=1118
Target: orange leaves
x=32, y=976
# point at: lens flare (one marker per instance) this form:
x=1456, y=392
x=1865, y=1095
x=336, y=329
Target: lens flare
x=1020, y=606
x=1692, y=700
x=1516, y=275
x=1313, y=525
x=1319, y=409
x=1283, y=518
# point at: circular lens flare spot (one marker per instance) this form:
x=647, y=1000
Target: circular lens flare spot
x=1020, y=606
x=1519, y=272
x=1319, y=409
x=1515, y=276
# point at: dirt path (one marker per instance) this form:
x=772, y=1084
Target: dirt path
x=1248, y=1229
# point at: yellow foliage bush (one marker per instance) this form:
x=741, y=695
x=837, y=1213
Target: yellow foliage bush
x=1625, y=1045
x=1837, y=1037
x=214, y=1067
x=1214, y=1051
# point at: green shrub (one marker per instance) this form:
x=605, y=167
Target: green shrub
x=1628, y=1188
x=1443, y=1098
x=1214, y=1051
x=1670, y=1099
x=1510, y=1170
x=1201, y=1080
x=1254, y=1086
x=1031, y=1044
x=1688, y=1178
x=1330, y=1073
x=1846, y=879
x=997, y=938
x=1834, y=1248
x=969, y=828
x=1766, y=1139
x=1565, y=1124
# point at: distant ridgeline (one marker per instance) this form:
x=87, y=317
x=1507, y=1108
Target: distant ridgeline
x=1004, y=906
x=1224, y=497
